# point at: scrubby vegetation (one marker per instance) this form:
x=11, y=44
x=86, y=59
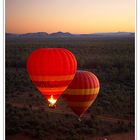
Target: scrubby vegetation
x=112, y=60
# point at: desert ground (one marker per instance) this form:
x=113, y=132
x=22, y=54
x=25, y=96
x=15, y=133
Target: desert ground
x=112, y=114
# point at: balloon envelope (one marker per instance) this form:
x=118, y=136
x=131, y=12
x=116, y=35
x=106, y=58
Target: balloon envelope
x=82, y=92
x=51, y=70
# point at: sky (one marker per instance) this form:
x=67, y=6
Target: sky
x=74, y=16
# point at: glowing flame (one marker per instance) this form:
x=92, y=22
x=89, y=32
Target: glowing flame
x=52, y=100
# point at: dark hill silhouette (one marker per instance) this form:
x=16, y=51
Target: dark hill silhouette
x=43, y=35
x=61, y=34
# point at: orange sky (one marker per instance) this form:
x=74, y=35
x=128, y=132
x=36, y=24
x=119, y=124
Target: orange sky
x=75, y=16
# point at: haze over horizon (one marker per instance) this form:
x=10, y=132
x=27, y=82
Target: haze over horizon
x=76, y=17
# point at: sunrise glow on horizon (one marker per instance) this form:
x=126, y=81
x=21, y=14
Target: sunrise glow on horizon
x=74, y=16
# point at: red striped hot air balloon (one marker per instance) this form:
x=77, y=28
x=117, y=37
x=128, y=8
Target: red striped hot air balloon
x=82, y=92
x=51, y=70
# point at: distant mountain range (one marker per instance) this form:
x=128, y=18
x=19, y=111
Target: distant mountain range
x=43, y=35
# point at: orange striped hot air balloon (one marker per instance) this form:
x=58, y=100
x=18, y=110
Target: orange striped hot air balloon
x=82, y=92
x=51, y=70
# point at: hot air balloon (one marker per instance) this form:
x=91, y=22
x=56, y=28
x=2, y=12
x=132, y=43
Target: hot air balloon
x=81, y=92
x=51, y=70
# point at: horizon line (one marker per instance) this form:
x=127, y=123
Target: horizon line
x=70, y=32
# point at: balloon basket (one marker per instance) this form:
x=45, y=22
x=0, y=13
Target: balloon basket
x=79, y=119
x=53, y=106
